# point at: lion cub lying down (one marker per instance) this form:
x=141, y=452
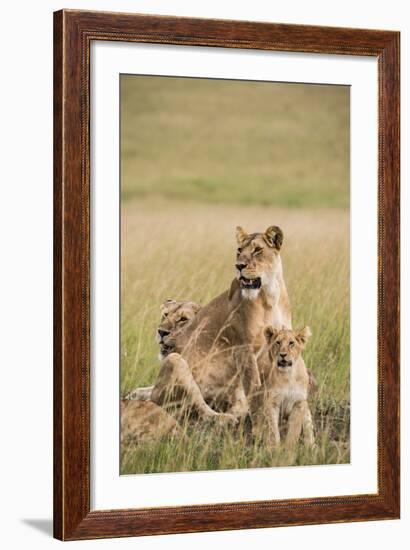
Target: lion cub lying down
x=285, y=382
x=146, y=421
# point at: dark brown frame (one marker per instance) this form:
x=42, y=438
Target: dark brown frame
x=73, y=33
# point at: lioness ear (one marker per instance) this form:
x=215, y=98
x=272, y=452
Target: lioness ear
x=273, y=236
x=240, y=234
x=166, y=304
x=196, y=307
x=270, y=333
x=304, y=335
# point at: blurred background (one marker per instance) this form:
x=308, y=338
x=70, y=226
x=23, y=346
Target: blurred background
x=235, y=142
x=199, y=157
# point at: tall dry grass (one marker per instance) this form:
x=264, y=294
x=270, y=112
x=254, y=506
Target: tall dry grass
x=187, y=251
x=199, y=157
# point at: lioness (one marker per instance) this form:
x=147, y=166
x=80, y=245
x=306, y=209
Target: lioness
x=285, y=385
x=215, y=361
x=175, y=316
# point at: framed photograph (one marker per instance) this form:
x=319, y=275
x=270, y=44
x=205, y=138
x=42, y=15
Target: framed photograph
x=226, y=275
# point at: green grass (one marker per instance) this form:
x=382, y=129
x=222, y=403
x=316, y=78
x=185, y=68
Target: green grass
x=199, y=157
x=235, y=142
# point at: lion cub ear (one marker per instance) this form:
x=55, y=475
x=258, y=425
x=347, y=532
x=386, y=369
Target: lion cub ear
x=270, y=333
x=240, y=235
x=273, y=237
x=303, y=335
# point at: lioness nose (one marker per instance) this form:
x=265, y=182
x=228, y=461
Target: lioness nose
x=283, y=355
x=239, y=267
x=163, y=333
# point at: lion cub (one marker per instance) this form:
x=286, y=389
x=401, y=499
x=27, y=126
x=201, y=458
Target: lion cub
x=285, y=381
x=144, y=421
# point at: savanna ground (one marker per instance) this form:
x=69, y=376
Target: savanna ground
x=199, y=157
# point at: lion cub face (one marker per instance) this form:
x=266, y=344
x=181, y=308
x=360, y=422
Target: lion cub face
x=257, y=259
x=285, y=346
x=175, y=316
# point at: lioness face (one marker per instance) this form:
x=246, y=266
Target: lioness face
x=257, y=259
x=285, y=346
x=175, y=316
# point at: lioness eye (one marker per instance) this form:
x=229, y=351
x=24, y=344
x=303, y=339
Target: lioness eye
x=183, y=319
x=277, y=343
x=239, y=250
x=257, y=250
x=291, y=344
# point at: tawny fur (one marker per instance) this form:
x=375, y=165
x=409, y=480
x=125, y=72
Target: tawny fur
x=285, y=387
x=145, y=421
x=175, y=316
x=215, y=360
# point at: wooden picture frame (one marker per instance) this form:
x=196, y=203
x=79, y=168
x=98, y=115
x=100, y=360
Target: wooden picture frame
x=73, y=33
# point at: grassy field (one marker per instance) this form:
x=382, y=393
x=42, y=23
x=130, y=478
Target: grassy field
x=235, y=142
x=272, y=155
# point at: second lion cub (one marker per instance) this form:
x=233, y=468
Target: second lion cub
x=285, y=387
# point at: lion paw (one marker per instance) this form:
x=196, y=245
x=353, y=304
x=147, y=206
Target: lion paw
x=225, y=419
